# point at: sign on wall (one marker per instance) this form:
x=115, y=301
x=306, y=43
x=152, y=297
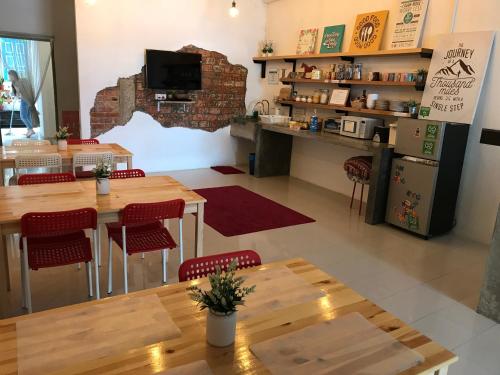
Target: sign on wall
x=409, y=24
x=456, y=76
x=368, y=31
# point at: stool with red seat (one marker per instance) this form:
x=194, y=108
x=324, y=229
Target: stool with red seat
x=45, y=178
x=142, y=229
x=51, y=239
x=196, y=268
x=89, y=141
x=359, y=169
x=127, y=173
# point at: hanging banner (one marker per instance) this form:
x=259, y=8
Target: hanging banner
x=456, y=76
x=409, y=24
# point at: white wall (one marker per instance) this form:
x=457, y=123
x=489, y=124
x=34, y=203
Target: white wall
x=321, y=164
x=111, y=38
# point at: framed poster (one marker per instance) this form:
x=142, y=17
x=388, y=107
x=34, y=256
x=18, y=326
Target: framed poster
x=332, y=39
x=456, y=76
x=339, y=97
x=368, y=31
x=307, y=41
x=409, y=24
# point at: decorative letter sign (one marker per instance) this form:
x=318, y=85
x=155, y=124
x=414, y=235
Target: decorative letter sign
x=456, y=76
x=409, y=24
x=368, y=31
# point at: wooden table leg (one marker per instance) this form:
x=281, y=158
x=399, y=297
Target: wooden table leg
x=129, y=162
x=2, y=177
x=4, y=287
x=200, y=213
x=5, y=260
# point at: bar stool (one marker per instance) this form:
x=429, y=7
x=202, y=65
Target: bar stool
x=359, y=169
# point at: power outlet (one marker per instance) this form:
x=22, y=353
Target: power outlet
x=160, y=97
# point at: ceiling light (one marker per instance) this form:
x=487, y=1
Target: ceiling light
x=90, y=2
x=233, y=11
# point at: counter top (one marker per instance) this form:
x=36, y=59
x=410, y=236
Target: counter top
x=337, y=139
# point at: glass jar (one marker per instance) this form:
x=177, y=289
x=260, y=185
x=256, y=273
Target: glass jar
x=309, y=99
x=303, y=99
x=324, y=96
x=358, y=71
x=349, y=72
x=316, y=97
x=339, y=72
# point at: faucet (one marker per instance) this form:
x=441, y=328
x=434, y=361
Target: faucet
x=268, y=109
x=263, y=108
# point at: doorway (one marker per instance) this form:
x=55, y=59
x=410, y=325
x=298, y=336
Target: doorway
x=27, y=89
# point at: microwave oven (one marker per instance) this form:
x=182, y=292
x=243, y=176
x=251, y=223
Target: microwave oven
x=359, y=127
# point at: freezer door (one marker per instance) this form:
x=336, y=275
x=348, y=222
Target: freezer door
x=420, y=138
x=411, y=195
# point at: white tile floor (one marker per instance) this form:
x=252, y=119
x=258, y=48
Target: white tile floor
x=429, y=284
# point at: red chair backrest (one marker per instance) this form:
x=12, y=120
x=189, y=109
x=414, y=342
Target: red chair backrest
x=137, y=213
x=127, y=173
x=89, y=141
x=47, y=223
x=45, y=178
x=196, y=268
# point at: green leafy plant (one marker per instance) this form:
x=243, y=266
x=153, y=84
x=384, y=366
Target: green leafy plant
x=2, y=80
x=102, y=170
x=422, y=71
x=412, y=103
x=63, y=133
x=226, y=294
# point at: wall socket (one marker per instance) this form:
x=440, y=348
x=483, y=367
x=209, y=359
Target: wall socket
x=161, y=96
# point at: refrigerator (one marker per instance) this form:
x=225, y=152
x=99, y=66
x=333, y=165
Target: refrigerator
x=425, y=176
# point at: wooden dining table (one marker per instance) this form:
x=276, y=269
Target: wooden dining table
x=24, y=338
x=18, y=200
x=8, y=154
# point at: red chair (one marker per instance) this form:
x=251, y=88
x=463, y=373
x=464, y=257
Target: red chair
x=51, y=239
x=142, y=230
x=89, y=141
x=196, y=268
x=127, y=173
x=45, y=178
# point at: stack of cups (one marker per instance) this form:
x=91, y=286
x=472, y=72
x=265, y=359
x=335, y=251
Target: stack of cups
x=370, y=100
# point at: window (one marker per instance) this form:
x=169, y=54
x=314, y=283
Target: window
x=13, y=56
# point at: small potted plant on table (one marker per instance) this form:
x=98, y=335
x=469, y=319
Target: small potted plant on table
x=62, y=138
x=221, y=301
x=102, y=173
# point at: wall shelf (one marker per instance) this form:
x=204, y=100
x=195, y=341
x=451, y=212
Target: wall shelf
x=340, y=108
x=345, y=82
x=346, y=56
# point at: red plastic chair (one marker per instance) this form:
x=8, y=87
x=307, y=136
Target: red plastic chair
x=127, y=173
x=142, y=230
x=89, y=141
x=196, y=268
x=45, y=178
x=51, y=239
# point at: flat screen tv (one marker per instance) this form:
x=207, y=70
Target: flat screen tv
x=166, y=70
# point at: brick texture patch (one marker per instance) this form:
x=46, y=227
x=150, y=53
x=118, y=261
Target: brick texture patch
x=221, y=99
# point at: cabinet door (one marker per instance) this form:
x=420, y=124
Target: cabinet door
x=411, y=194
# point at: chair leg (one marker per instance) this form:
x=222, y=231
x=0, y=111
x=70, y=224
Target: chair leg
x=142, y=255
x=88, y=265
x=99, y=237
x=27, y=287
x=79, y=267
x=164, y=259
x=96, y=264
x=361, y=200
x=125, y=279
x=181, y=243
x=353, y=191
x=110, y=266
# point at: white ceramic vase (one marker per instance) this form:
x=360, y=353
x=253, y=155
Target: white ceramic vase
x=102, y=186
x=62, y=144
x=221, y=329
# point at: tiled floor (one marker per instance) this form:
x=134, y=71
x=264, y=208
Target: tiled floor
x=430, y=284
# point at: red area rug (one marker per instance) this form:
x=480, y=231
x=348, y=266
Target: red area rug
x=233, y=210
x=226, y=169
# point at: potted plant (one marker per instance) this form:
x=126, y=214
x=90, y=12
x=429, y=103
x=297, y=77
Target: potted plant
x=412, y=108
x=1, y=83
x=222, y=300
x=102, y=172
x=62, y=138
x=421, y=79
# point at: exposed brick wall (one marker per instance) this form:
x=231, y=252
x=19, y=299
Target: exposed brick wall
x=221, y=99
